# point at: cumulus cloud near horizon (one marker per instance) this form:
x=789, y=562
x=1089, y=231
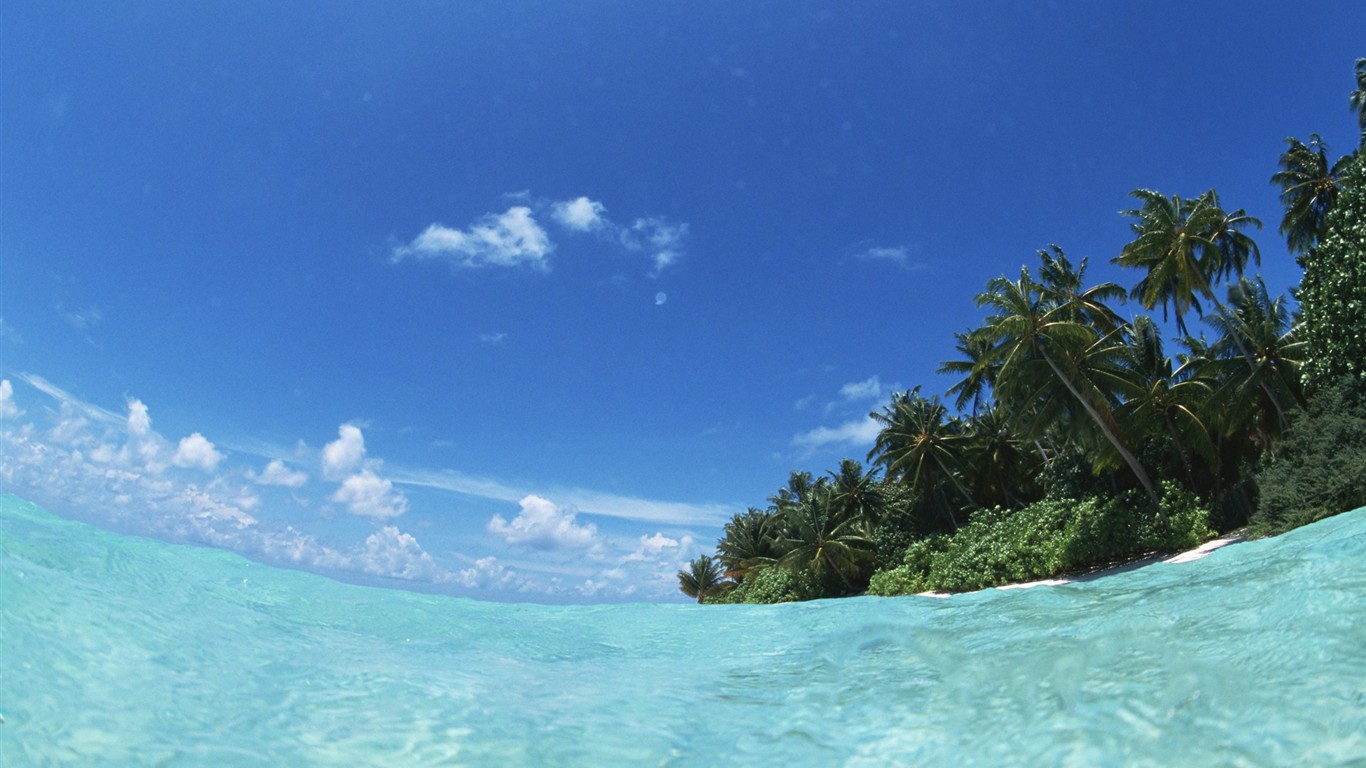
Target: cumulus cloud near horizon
x=196, y=451
x=542, y=524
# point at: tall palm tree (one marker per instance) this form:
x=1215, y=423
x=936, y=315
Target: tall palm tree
x=1065, y=287
x=821, y=538
x=1309, y=187
x=1045, y=354
x=1259, y=358
x=920, y=445
x=1185, y=247
x=702, y=577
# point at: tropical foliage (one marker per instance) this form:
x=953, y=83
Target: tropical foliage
x=1075, y=436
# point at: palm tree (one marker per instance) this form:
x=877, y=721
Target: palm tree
x=997, y=461
x=1309, y=187
x=1259, y=355
x=920, y=445
x=977, y=366
x=1185, y=246
x=701, y=579
x=1065, y=287
x=1047, y=356
x=821, y=538
x=747, y=543
x=857, y=493
x=1164, y=398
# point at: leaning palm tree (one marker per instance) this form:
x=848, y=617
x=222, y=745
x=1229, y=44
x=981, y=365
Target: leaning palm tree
x=1309, y=187
x=1048, y=356
x=1185, y=247
x=702, y=577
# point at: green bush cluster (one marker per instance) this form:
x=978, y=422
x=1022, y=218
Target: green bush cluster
x=1320, y=468
x=773, y=584
x=1046, y=538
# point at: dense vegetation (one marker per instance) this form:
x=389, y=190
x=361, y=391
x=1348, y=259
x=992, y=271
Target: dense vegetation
x=1076, y=438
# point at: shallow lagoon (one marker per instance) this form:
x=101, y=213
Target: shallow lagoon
x=123, y=650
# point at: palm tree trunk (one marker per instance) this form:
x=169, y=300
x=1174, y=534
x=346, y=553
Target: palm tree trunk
x=1108, y=430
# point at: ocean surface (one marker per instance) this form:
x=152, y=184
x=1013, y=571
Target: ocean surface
x=118, y=650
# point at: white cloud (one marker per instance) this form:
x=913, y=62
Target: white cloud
x=393, y=553
x=512, y=238
x=662, y=239
x=369, y=495
x=488, y=573
x=139, y=423
x=579, y=214
x=657, y=543
x=8, y=408
x=276, y=473
x=869, y=389
x=899, y=255
x=492, y=338
x=343, y=455
x=543, y=525
x=196, y=451
x=858, y=432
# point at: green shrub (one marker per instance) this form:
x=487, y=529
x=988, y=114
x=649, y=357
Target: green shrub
x=1044, y=539
x=912, y=576
x=773, y=584
x=1319, y=469
x=1001, y=546
x=901, y=580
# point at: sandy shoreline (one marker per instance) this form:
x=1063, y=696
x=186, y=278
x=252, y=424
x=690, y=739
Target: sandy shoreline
x=1182, y=557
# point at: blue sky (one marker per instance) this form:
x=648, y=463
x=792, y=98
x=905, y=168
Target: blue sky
x=523, y=300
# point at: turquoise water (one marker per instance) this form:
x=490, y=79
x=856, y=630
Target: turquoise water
x=128, y=651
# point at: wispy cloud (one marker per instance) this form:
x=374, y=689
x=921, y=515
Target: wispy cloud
x=515, y=238
x=868, y=389
x=585, y=501
x=899, y=255
x=510, y=239
x=858, y=432
x=81, y=319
